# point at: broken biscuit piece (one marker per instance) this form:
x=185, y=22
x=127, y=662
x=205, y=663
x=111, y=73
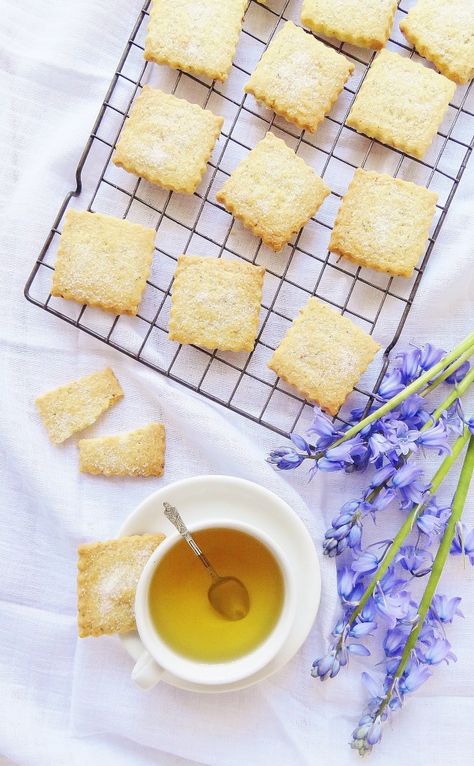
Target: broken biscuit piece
x=77, y=405
x=134, y=453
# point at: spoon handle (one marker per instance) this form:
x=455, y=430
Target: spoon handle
x=173, y=515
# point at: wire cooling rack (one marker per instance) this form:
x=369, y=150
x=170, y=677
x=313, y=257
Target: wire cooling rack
x=198, y=225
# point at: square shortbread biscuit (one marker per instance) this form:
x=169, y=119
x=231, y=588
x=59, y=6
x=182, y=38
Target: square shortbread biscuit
x=401, y=103
x=383, y=222
x=443, y=32
x=273, y=192
x=134, y=453
x=167, y=140
x=299, y=77
x=366, y=24
x=107, y=577
x=216, y=303
x=197, y=36
x=103, y=261
x=323, y=355
x=74, y=406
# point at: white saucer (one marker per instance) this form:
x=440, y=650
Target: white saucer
x=226, y=496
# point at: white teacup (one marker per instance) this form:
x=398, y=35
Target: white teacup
x=159, y=658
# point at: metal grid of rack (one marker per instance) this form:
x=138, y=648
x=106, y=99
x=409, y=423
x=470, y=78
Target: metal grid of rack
x=199, y=225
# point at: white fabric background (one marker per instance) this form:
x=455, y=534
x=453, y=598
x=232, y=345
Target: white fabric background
x=65, y=701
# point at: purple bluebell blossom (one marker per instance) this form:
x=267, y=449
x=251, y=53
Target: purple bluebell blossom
x=413, y=411
x=382, y=476
x=394, y=641
x=459, y=374
x=439, y=650
x=368, y=560
x=432, y=522
x=430, y=355
x=343, y=452
x=414, y=678
x=417, y=561
x=407, y=482
x=408, y=474
x=391, y=385
x=436, y=438
x=379, y=445
x=300, y=443
x=444, y=609
x=324, y=428
x=408, y=363
x=463, y=543
x=454, y=418
x=285, y=458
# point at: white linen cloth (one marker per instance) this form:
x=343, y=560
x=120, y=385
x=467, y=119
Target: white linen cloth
x=69, y=701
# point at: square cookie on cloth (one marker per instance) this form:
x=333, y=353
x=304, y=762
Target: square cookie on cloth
x=167, y=140
x=273, y=192
x=401, y=103
x=366, y=24
x=76, y=405
x=383, y=222
x=323, y=355
x=197, y=36
x=216, y=303
x=299, y=77
x=443, y=32
x=134, y=453
x=103, y=261
x=107, y=577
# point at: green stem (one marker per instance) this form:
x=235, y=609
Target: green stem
x=438, y=564
x=410, y=520
x=448, y=371
x=456, y=393
x=466, y=344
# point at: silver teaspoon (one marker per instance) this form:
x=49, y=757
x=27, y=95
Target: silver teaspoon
x=228, y=595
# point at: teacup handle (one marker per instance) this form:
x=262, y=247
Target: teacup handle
x=146, y=672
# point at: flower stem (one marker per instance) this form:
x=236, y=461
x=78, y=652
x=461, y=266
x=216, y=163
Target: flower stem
x=448, y=371
x=460, y=389
x=466, y=344
x=407, y=526
x=438, y=564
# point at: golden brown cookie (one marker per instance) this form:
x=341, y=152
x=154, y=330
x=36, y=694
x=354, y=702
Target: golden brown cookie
x=103, y=261
x=401, y=103
x=443, y=32
x=366, y=24
x=323, y=355
x=197, y=36
x=383, y=222
x=216, y=303
x=273, y=192
x=167, y=140
x=299, y=77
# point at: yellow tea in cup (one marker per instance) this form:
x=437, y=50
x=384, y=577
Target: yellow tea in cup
x=180, y=609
